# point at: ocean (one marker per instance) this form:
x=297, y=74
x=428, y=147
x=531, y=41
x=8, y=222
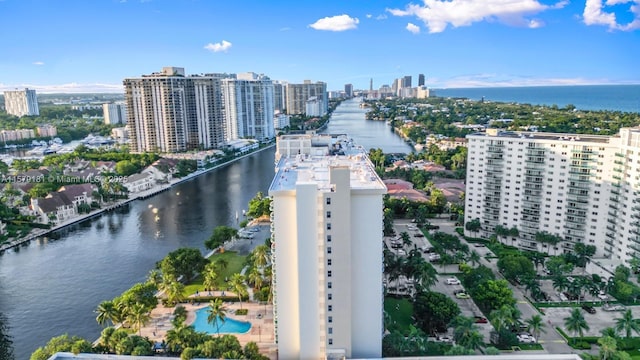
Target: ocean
x=625, y=98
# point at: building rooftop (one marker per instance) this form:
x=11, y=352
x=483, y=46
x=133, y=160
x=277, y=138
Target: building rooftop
x=308, y=168
x=544, y=136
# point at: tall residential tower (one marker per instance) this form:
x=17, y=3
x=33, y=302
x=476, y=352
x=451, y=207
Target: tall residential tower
x=21, y=102
x=327, y=249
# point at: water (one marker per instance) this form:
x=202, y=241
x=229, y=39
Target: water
x=229, y=326
x=52, y=287
x=349, y=119
x=624, y=98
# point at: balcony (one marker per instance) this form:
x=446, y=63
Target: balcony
x=620, y=155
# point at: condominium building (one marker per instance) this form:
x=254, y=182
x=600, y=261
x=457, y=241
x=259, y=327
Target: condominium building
x=298, y=94
x=114, y=113
x=326, y=249
x=21, y=102
x=580, y=188
x=348, y=90
x=279, y=95
x=249, y=107
x=170, y=112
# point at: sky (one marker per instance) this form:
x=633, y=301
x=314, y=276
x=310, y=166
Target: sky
x=92, y=45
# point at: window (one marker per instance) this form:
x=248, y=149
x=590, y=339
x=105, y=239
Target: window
x=330, y=296
x=330, y=308
x=328, y=226
x=328, y=238
x=329, y=273
x=328, y=201
x=330, y=319
x=328, y=214
x=328, y=249
x=329, y=262
x=330, y=330
x=329, y=285
x=330, y=341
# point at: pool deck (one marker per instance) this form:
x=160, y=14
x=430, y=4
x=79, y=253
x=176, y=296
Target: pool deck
x=260, y=316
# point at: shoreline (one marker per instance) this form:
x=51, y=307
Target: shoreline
x=38, y=233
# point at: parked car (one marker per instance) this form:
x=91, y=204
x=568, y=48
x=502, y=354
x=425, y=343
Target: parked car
x=444, y=339
x=453, y=281
x=589, y=309
x=433, y=227
x=434, y=257
x=527, y=339
x=603, y=296
x=419, y=235
x=610, y=307
x=478, y=245
x=463, y=295
x=428, y=249
x=481, y=320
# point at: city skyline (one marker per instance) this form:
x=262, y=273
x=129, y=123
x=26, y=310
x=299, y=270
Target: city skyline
x=77, y=46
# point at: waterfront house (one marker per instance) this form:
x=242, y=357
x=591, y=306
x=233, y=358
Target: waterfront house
x=79, y=193
x=139, y=182
x=162, y=169
x=55, y=208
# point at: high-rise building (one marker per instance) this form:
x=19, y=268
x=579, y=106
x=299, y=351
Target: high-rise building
x=406, y=81
x=21, y=102
x=326, y=249
x=579, y=188
x=114, y=113
x=371, y=85
x=298, y=94
x=348, y=90
x=279, y=96
x=170, y=112
x=420, y=79
x=249, y=107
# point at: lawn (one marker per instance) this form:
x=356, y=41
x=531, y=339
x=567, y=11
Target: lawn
x=235, y=263
x=400, y=311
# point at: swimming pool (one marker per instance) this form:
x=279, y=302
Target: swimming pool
x=229, y=326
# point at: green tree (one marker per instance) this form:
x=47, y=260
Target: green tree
x=216, y=313
x=260, y=256
x=138, y=317
x=515, y=267
x=608, y=347
x=108, y=312
x=493, y=294
x=185, y=262
x=536, y=325
x=209, y=275
x=221, y=234
x=474, y=225
x=434, y=310
x=626, y=324
x=466, y=333
x=237, y=283
x=259, y=205
x=62, y=343
x=576, y=323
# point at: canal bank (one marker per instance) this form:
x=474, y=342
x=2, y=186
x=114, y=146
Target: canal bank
x=37, y=233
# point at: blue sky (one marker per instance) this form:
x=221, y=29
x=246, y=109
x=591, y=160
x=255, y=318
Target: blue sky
x=82, y=45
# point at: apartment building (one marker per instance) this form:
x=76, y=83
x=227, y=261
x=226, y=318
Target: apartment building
x=170, y=112
x=326, y=249
x=249, y=107
x=581, y=188
x=21, y=102
x=114, y=113
x=298, y=95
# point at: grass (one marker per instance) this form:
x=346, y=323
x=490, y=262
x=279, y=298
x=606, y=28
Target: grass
x=525, y=347
x=235, y=263
x=400, y=311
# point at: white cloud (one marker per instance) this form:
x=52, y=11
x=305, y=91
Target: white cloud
x=381, y=17
x=413, y=28
x=369, y=16
x=71, y=88
x=336, y=23
x=223, y=46
x=437, y=14
x=595, y=14
x=39, y=63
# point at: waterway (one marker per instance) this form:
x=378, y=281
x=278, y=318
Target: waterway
x=53, y=285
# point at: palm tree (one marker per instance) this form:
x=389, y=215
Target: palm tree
x=174, y=291
x=155, y=277
x=609, y=331
x=138, y=317
x=238, y=286
x=627, y=324
x=576, y=323
x=608, y=347
x=216, y=313
x=504, y=317
x=255, y=278
x=466, y=332
x=260, y=256
x=221, y=263
x=560, y=283
x=108, y=311
x=210, y=275
x=474, y=258
x=535, y=325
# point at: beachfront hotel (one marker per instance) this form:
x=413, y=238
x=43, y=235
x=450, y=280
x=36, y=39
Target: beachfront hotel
x=327, y=249
x=582, y=188
x=21, y=102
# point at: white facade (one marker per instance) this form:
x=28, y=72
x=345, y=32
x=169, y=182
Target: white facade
x=314, y=107
x=583, y=188
x=298, y=94
x=114, y=113
x=327, y=249
x=281, y=121
x=249, y=107
x=21, y=102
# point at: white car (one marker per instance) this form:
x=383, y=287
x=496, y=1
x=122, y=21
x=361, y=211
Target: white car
x=602, y=296
x=453, y=281
x=527, y=339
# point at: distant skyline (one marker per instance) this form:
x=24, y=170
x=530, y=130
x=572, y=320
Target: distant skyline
x=91, y=46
